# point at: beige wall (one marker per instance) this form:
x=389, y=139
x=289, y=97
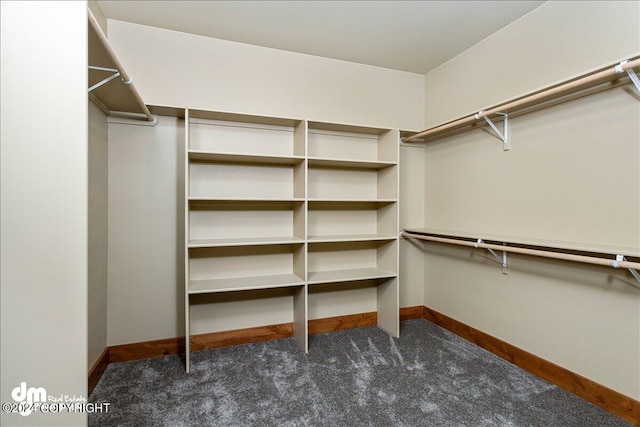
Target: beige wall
x=98, y=236
x=145, y=170
x=178, y=69
x=44, y=203
x=558, y=40
x=412, y=191
x=572, y=175
x=145, y=293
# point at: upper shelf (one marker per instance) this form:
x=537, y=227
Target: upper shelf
x=114, y=95
x=591, y=82
x=335, y=127
x=349, y=164
x=208, y=156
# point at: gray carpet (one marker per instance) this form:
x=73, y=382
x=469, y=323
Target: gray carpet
x=359, y=377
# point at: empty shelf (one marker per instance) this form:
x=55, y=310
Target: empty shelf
x=243, y=283
x=243, y=158
x=350, y=238
x=345, y=163
x=351, y=275
x=241, y=201
x=350, y=202
x=249, y=241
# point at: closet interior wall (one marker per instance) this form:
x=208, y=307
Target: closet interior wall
x=179, y=69
x=98, y=180
x=139, y=220
x=571, y=175
x=146, y=173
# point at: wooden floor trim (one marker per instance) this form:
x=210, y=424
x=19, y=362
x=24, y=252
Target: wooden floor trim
x=409, y=313
x=145, y=350
x=98, y=368
x=169, y=346
x=164, y=347
x=338, y=323
x=606, y=398
x=241, y=336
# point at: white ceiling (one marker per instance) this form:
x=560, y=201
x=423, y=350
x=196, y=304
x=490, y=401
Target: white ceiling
x=414, y=36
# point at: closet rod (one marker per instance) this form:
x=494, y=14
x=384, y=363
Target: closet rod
x=126, y=79
x=524, y=251
x=609, y=73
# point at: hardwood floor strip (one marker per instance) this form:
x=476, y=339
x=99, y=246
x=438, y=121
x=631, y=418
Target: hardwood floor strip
x=606, y=398
x=415, y=312
x=98, y=368
x=338, y=323
x=146, y=349
x=241, y=336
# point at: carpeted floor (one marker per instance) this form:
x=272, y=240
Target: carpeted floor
x=359, y=377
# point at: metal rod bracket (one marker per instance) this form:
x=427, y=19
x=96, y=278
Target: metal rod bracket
x=502, y=260
x=504, y=134
x=115, y=74
x=633, y=272
x=632, y=75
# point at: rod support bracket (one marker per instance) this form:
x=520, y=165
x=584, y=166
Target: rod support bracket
x=502, y=134
x=502, y=260
x=633, y=272
x=115, y=73
x=632, y=75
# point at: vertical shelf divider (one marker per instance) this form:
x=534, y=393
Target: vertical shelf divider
x=187, y=310
x=301, y=298
x=388, y=292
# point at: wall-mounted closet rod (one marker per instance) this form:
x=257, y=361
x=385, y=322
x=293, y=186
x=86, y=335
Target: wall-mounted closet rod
x=534, y=252
x=610, y=73
x=125, y=77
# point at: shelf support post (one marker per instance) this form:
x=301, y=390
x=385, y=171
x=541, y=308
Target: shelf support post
x=502, y=260
x=633, y=272
x=504, y=134
x=632, y=75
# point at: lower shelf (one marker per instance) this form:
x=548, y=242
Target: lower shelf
x=351, y=275
x=244, y=283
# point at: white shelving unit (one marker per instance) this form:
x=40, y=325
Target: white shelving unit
x=284, y=203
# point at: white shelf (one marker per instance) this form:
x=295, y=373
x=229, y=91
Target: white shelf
x=203, y=115
x=346, y=128
x=355, y=143
x=253, y=241
x=209, y=156
x=244, y=283
x=351, y=275
x=350, y=238
x=239, y=200
x=272, y=198
x=347, y=203
x=349, y=163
